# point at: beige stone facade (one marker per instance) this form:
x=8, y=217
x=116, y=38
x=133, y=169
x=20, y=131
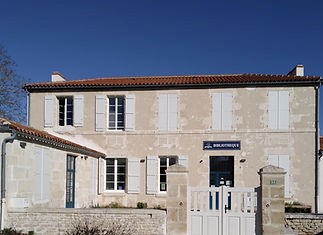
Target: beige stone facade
x=249, y=125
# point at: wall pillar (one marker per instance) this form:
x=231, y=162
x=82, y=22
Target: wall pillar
x=272, y=184
x=176, y=203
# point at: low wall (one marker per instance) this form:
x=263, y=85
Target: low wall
x=304, y=223
x=58, y=221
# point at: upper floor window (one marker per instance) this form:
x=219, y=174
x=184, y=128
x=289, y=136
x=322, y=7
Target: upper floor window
x=222, y=111
x=65, y=110
x=116, y=113
x=116, y=174
x=167, y=112
x=278, y=109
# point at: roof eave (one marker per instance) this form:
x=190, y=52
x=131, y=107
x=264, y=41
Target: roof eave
x=176, y=86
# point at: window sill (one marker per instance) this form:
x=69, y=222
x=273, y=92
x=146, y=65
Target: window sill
x=114, y=194
x=161, y=195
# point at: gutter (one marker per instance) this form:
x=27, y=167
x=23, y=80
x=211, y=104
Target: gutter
x=317, y=195
x=9, y=139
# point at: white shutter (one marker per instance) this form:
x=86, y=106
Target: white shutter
x=152, y=174
x=162, y=112
x=38, y=176
x=133, y=175
x=283, y=110
x=130, y=112
x=273, y=160
x=172, y=112
x=183, y=160
x=273, y=109
x=101, y=167
x=100, y=107
x=216, y=111
x=46, y=175
x=94, y=177
x=284, y=163
x=78, y=103
x=49, y=110
x=226, y=111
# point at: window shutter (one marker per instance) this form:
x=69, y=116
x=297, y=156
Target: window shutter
x=216, y=111
x=284, y=163
x=226, y=111
x=133, y=175
x=273, y=109
x=183, y=160
x=100, y=107
x=101, y=163
x=38, y=170
x=152, y=171
x=130, y=112
x=162, y=112
x=273, y=160
x=78, y=110
x=94, y=177
x=46, y=175
x=172, y=112
x=283, y=110
x=49, y=111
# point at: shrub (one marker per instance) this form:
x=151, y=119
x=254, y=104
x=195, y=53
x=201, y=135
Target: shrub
x=87, y=227
x=12, y=231
x=142, y=205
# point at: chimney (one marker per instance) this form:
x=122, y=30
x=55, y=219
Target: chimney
x=57, y=77
x=298, y=70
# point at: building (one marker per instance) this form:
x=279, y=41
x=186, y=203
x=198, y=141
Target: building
x=41, y=169
x=223, y=128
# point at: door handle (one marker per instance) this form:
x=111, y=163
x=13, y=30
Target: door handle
x=225, y=208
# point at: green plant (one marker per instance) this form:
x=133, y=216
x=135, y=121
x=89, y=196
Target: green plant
x=114, y=205
x=142, y=205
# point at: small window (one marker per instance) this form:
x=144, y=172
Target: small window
x=65, y=110
x=116, y=113
x=164, y=163
x=115, y=174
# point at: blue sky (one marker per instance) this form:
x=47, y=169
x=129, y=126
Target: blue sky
x=99, y=38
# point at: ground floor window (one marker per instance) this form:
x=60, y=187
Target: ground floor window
x=116, y=174
x=164, y=163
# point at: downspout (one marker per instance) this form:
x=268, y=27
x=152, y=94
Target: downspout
x=317, y=147
x=9, y=139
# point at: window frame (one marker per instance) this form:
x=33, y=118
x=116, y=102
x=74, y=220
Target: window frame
x=116, y=112
x=159, y=173
x=115, y=176
x=68, y=120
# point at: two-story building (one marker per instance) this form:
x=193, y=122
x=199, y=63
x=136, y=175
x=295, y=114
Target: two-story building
x=223, y=128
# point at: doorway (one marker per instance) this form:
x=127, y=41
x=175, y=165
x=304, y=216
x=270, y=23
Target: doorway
x=70, y=181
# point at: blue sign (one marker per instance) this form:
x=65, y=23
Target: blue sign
x=221, y=145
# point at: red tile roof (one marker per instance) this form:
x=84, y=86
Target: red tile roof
x=176, y=81
x=43, y=138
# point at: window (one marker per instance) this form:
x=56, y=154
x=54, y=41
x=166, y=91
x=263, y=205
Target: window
x=164, y=163
x=115, y=174
x=70, y=181
x=222, y=111
x=65, y=111
x=116, y=113
x=278, y=109
x=167, y=112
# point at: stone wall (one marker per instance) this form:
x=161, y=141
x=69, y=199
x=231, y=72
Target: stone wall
x=58, y=221
x=301, y=223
